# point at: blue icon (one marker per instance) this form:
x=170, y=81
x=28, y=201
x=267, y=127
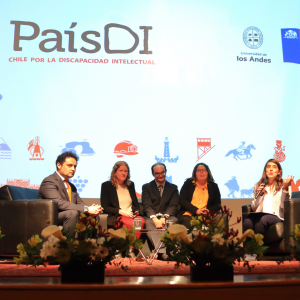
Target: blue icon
x=247, y=193
x=166, y=154
x=169, y=178
x=79, y=183
x=290, y=45
x=5, y=151
x=1, y=97
x=87, y=150
x=242, y=152
x=232, y=186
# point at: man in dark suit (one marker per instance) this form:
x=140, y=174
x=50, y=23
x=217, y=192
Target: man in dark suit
x=57, y=187
x=160, y=202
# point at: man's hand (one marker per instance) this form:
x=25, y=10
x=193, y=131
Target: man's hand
x=95, y=210
x=159, y=223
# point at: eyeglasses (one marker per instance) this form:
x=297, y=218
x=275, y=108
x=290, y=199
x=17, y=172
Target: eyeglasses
x=202, y=170
x=162, y=173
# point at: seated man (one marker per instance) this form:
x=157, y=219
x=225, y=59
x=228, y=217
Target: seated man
x=57, y=187
x=160, y=202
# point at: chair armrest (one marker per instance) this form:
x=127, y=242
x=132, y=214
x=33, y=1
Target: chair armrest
x=19, y=220
x=291, y=218
x=247, y=209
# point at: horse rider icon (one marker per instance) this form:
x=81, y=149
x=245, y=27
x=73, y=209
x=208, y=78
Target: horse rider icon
x=242, y=152
x=241, y=148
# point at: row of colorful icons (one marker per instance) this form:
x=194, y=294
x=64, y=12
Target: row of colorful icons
x=124, y=148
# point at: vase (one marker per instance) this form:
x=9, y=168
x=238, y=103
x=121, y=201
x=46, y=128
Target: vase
x=214, y=272
x=83, y=273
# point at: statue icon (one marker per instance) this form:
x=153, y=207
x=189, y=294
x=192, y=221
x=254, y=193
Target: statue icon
x=35, y=149
x=279, y=155
x=232, y=186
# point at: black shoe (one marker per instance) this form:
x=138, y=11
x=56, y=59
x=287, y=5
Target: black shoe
x=130, y=253
x=162, y=256
x=118, y=255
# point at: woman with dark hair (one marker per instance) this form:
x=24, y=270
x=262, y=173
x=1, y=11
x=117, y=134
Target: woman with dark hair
x=270, y=191
x=199, y=193
x=118, y=199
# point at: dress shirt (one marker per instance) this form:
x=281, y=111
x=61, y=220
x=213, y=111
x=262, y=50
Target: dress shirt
x=200, y=198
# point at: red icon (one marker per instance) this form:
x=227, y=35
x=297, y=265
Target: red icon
x=279, y=155
x=125, y=148
x=295, y=186
x=203, y=147
x=21, y=183
x=35, y=149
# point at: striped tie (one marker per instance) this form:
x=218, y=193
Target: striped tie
x=161, y=189
x=69, y=189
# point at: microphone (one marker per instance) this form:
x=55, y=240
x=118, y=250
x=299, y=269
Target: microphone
x=264, y=184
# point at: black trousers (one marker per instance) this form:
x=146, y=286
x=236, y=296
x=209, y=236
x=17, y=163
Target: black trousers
x=260, y=222
x=185, y=220
x=68, y=219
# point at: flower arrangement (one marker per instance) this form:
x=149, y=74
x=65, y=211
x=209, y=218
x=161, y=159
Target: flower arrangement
x=295, y=250
x=89, y=245
x=208, y=241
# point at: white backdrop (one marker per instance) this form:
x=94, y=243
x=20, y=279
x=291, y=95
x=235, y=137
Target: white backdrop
x=201, y=81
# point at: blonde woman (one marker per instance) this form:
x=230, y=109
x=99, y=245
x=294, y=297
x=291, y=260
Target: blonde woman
x=118, y=198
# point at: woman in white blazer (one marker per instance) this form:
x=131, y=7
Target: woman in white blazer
x=269, y=204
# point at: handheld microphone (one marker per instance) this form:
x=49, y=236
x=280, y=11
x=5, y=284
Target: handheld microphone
x=264, y=184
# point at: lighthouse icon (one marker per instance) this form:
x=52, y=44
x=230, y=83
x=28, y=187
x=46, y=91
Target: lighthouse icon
x=166, y=154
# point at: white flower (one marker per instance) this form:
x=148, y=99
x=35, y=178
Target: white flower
x=189, y=237
x=100, y=240
x=93, y=242
x=50, y=248
x=218, y=239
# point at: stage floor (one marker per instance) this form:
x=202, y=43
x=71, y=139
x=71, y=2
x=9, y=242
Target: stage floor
x=258, y=286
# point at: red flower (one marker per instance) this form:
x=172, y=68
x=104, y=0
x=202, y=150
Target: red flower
x=118, y=224
x=102, y=233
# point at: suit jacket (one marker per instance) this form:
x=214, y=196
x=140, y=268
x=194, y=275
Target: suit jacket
x=153, y=203
x=53, y=188
x=186, y=196
x=110, y=200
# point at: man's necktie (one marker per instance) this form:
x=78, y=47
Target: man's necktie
x=161, y=189
x=69, y=189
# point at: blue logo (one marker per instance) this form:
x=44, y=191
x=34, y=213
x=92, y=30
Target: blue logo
x=242, y=152
x=247, y=193
x=1, y=97
x=232, y=186
x=166, y=154
x=169, y=178
x=83, y=147
x=253, y=37
x=290, y=45
x=5, y=151
x=79, y=183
